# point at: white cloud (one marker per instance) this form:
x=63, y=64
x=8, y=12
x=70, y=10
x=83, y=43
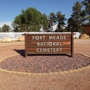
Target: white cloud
x=7, y=23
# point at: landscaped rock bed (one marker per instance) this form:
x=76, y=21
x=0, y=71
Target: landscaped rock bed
x=44, y=63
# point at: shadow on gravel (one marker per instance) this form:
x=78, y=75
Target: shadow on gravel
x=22, y=53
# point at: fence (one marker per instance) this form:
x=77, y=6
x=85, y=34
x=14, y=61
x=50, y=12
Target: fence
x=15, y=35
x=11, y=35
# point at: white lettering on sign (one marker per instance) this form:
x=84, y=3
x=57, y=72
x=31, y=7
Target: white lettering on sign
x=57, y=37
x=49, y=44
x=38, y=37
x=61, y=37
x=49, y=49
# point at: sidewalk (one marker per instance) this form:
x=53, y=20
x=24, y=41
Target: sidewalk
x=71, y=81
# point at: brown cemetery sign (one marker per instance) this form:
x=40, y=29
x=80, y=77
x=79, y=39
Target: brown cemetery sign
x=49, y=43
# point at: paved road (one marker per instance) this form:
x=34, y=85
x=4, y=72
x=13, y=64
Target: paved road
x=71, y=81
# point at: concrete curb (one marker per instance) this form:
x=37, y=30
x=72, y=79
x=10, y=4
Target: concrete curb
x=36, y=74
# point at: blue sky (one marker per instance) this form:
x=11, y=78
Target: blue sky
x=9, y=9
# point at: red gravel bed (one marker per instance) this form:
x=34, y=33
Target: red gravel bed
x=44, y=63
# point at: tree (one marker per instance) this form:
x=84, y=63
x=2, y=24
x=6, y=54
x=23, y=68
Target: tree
x=44, y=21
x=86, y=11
x=75, y=21
x=17, y=28
x=5, y=28
x=30, y=20
x=0, y=29
x=57, y=18
x=51, y=18
x=61, y=21
x=71, y=24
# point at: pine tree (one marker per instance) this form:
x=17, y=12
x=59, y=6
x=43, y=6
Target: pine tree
x=75, y=20
x=86, y=11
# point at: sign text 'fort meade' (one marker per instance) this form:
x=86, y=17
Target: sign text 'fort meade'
x=53, y=43
x=60, y=37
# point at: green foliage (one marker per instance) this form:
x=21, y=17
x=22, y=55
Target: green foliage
x=0, y=29
x=52, y=17
x=5, y=28
x=30, y=20
x=81, y=29
x=75, y=21
x=58, y=18
x=80, y=14
x=35, y=28
x=61, y=21
x=86, y=11
x=44, y=21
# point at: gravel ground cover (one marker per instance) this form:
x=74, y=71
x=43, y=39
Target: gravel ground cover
x=45, y=63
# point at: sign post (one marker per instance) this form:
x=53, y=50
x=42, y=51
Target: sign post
x=49, y=43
